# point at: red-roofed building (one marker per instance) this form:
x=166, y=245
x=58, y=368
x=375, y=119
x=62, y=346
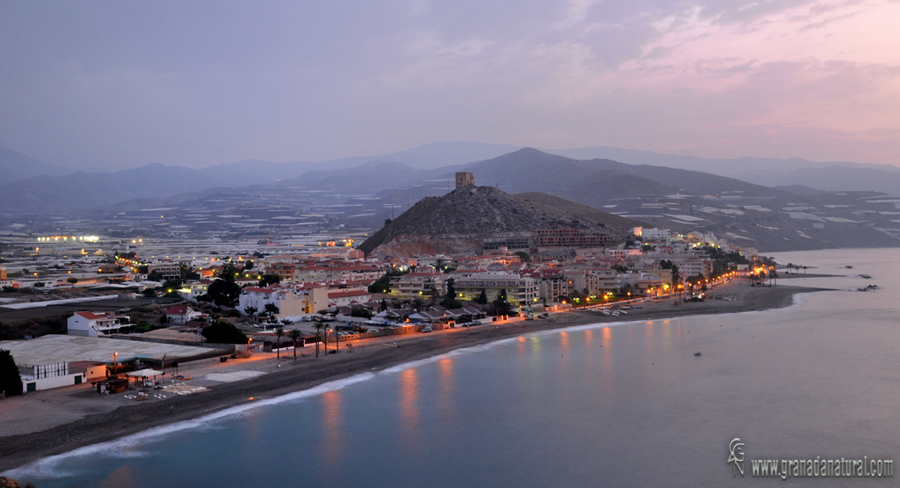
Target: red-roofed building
x=90, y=324
x=181, y=314
x=345, y=298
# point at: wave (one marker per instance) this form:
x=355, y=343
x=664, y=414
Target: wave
x=125, y=447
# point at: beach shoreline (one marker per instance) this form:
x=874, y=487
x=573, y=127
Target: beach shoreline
x=42, y=438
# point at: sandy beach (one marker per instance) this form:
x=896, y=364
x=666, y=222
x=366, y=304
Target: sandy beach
x=42, y=424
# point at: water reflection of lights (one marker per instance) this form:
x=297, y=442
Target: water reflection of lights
x=123, y=476
x=332, y=427
x=409, y=399
x=447, y=386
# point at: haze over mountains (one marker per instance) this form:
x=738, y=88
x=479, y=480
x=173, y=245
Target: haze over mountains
x=800, y=208
x=45, y=187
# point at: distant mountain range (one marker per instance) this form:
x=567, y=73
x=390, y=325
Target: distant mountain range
x=32, y=186
x=15, y=166
x=213, y=201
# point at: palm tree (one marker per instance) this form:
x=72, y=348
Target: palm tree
x=319, y=326
x=279, y=332
x=295, y=334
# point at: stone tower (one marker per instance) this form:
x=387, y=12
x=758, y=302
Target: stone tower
x=464, y=180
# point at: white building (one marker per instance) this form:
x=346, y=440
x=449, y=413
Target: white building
x=345, y=298
x=90, y=324
x=181, y=314
x=655, y=234
x=290, y=303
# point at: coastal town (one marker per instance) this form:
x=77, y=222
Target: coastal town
x=142, y=297
x=95, y=324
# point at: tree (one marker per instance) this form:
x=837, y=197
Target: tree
x=228, y=272
x=482, y=299
x=501, y=306
x=188, y=273
x=224, y=333
x=72, y=280
x=224, y=293
x=319, y=327
x=279, y=333
x=10, y=380
x=523, y=256
x=383, y=284
x=294, y=335
x=676, y=277
x=450, y=300
x=170, y=286
x=269, y=279
x=271, y=309
x=251, y=311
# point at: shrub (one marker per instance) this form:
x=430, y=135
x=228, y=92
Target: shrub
x=224, y=333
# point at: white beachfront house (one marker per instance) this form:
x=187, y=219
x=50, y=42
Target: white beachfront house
x=90, y=324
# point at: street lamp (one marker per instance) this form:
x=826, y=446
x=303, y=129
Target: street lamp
x=115, y=364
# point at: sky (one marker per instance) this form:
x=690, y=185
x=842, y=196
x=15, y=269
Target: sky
x=117, y=84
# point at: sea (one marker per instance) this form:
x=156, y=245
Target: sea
x=629, y=404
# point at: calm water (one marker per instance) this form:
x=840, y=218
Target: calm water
x=627, y=405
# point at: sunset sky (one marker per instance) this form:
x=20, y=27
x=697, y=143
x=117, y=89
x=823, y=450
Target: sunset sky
x=122, y=84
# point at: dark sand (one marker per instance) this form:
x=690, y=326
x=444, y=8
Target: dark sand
x=47, y=437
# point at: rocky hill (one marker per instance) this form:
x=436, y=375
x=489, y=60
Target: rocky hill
x=459, y=220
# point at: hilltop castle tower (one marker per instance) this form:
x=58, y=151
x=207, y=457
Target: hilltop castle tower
x=464, y=180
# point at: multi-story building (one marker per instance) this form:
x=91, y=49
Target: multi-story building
x=510, y=243
x=656, y=234
x=693, y=266
x=290, y=303
x=166, y=271
x=359, y=272
x=419, y=284
x=551, y=284
x=284, y=270
x=571, y=238
x=520, y=290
